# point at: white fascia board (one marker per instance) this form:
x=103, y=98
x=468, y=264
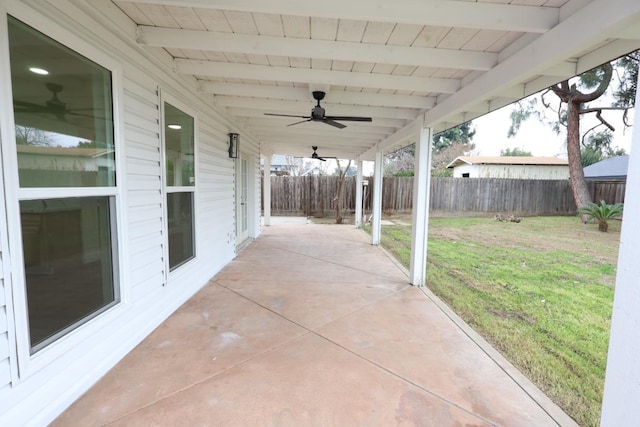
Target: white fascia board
x=404, y=136
x=575, y=35
x=604, y=54
x=563, y=70
x=305, y=75
x=489, y=16
x=312, y=48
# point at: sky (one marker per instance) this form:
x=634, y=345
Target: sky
x=536, y=137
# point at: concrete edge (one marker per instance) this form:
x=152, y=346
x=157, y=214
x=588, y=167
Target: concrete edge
x=546, y=404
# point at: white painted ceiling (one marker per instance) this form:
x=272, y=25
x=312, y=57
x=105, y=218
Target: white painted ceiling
x=448, y=61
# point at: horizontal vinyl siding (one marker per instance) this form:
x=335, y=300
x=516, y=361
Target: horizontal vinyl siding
x=150, y=294
x=216, y=189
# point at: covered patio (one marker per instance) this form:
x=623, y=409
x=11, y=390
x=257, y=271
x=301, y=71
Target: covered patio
x=308, y=324
x=312, y=325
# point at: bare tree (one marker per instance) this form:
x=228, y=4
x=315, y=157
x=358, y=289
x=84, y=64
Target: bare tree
x=294, y=165
x=447, y=146
x=442, y=157
x=32, y=136
x=342, y=172
x=400, y=161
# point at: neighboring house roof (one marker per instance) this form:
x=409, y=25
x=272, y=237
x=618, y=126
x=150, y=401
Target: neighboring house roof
x=314, y=171
x=612, y=168
x=507, y=160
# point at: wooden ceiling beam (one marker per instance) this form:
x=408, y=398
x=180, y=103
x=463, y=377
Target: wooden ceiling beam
x=462, y=14
x=252, y=72
x=315, y=49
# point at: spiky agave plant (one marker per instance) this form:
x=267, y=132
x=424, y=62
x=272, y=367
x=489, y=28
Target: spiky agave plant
x=602, y=213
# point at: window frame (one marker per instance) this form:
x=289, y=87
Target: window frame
x=165, y=96
x=27, y=363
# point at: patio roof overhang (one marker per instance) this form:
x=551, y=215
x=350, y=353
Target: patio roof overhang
x=441, y=61
x=416, y=68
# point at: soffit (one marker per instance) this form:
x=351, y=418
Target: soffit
x=447, y=61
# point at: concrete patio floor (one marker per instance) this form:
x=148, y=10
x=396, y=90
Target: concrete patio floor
x=311, y=325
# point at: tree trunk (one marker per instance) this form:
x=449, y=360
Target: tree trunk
x=581, y=193
x=603, y=225
x=341, y=174
x=575, y=99
x=339, y=200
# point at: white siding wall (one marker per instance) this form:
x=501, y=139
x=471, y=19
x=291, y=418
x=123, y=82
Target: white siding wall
x=472, y=170
x=512, y=171
x=149, y=293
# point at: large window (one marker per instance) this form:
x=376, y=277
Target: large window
x=66, y=170
x=180, y=181
x=68, y=261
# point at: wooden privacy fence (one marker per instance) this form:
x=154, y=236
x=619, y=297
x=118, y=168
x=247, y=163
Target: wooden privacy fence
x=311, y=195
x=609, y=191
x=494, y=195
x=315, y=195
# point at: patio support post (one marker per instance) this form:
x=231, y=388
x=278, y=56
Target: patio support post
x=358, y=214
x=421, y=199
x=377, y=198
x=620, y=405
x=266, y=194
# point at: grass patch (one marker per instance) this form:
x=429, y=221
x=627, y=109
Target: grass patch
x=540, y=291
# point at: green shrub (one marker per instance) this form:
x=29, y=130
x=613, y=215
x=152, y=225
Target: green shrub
x=602, y=213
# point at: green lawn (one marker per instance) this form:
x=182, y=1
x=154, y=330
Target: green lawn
x=540, y=291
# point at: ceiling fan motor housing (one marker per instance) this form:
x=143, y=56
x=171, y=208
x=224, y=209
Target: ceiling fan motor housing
x=317, y=113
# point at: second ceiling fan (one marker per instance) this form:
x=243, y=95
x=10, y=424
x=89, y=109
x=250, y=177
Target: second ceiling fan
x=315, y=155
x=318, y=115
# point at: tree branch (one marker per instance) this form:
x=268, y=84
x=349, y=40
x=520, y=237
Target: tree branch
x=625, y=118
x=598, y=112
x=595, y=109
x=584, y=136
x=599, y=91
x=562, y=90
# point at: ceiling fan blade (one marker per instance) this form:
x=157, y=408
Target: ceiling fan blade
x=321, y=158
x=349, y=118
x=29, y=107
x=286, y=115
x=301, y=121
x=333, y=123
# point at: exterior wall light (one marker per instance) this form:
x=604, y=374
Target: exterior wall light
x=234, y=145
